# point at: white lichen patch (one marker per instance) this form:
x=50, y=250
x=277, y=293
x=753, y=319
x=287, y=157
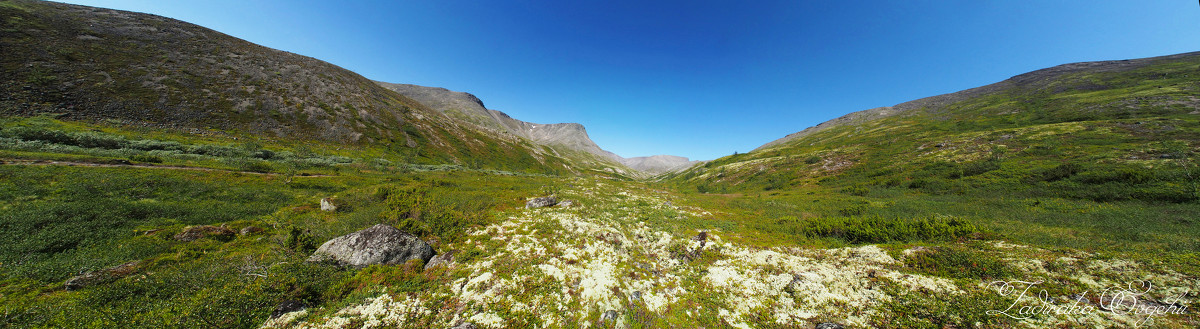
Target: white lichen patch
x=565, y=267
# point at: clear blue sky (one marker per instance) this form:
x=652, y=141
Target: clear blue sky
x=700, y=79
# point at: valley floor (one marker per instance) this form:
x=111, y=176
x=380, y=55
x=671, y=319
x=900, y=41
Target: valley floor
x=116, y=207
x=605, y=264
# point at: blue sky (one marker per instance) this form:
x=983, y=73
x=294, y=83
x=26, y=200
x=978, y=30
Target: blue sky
x=696, y=78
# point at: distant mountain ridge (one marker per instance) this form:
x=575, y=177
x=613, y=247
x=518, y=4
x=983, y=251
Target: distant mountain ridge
x=660, y=164
x=573, y=136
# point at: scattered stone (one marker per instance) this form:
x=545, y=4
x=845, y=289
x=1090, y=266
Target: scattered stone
x=379, y=244
x=102, y=276
x=248, y=230
x=287, y=306
x=566, y=203
x=152, y=231
x=193, y=233
x=702, y=237
x=444, y=259
x=541, y=202
x=329, y=204
x=609, y=316
x=829, y=325
x=636, y=296
x=465, y=325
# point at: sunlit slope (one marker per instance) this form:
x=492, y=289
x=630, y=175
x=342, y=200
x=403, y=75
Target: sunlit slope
x=122, y=68
x=1113, y=130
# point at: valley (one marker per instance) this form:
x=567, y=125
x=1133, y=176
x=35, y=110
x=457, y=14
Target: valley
x=188, y=186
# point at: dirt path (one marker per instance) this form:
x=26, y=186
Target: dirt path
x=29, y=162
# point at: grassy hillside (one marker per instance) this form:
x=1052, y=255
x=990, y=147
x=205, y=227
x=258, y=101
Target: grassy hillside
x=112, y=68
x=1051, y=150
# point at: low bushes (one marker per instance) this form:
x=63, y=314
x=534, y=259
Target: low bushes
x=871, y=229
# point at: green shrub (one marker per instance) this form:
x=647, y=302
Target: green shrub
x=959, y=263
x=145, y=158
x=1059, y=172
x=300, y=241
x=256, y=166
x=855, y=229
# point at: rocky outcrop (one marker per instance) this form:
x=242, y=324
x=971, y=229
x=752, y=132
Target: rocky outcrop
x=193, y=233
x=541, y=202
x=251, y=230
x=329, y=204
x=379, y=244
x=102, y=276
x=444, y=259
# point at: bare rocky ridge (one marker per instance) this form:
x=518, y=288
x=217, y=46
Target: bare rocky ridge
x=1036, y=79
x=572, y=136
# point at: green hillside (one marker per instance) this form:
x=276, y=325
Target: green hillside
x=1098, y=156
x=112, y=69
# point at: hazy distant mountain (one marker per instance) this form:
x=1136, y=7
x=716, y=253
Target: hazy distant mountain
x=658, y=164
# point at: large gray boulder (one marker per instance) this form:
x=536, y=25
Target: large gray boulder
x=541, y=202
x=379, y=244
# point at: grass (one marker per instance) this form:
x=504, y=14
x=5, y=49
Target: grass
x=895, y=223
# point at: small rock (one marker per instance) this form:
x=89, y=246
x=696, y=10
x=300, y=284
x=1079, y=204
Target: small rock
x=541, y=202
x=566, y=203
x=379, y=244
x=702, y=237
x=609, y=316
x=193, y=233
x=636, y=296
x=444, y=259
x=287, y=306
x=829, y=325
x=465, y=325
x=248, y=230
x=329, y=204
x=102, y=276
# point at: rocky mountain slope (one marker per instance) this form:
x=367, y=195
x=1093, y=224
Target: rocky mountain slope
x=101, y=65
x=569, y=138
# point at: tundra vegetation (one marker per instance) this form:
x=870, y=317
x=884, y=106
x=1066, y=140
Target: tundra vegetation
x=189, y=193
x=80, y=197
